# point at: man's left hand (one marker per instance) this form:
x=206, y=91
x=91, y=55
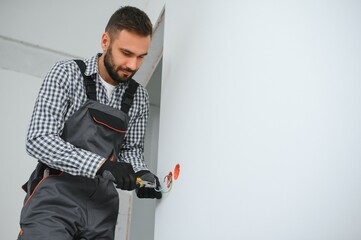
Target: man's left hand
x=146, y=192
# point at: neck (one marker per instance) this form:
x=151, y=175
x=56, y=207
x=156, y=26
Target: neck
x=103, y=71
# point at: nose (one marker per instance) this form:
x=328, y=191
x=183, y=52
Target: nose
x=132, y=63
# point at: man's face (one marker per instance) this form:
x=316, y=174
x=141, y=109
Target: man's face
x=124, y=54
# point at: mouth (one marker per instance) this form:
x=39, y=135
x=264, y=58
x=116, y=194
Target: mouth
x=126, y=73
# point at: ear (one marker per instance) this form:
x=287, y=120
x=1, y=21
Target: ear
x=105, y=41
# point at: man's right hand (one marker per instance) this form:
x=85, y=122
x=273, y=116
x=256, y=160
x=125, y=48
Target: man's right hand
x=121, y=173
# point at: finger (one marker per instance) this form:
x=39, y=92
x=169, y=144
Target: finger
x=155, y=194
x=140, y=193
x=121, y=183
x=157, y=183
x=132, y=182
x=158, y=195
x=127, y=184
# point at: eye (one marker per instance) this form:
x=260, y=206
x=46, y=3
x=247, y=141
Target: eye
x=125, y=53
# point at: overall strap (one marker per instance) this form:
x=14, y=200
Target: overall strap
x=89, y=82
x=128, y=96
x=127, y=99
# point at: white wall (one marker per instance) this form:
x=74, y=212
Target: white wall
x=261, y=106
x=18, y=93
x=143, y=210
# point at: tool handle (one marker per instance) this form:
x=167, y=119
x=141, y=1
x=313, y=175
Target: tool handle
x=141, y=183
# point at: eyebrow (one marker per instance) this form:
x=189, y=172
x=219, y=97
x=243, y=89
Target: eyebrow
x=132, y=53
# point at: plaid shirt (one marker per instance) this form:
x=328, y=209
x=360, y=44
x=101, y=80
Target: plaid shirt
x=61, y=94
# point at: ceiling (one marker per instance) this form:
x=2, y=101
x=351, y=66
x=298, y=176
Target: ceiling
x=35, y=34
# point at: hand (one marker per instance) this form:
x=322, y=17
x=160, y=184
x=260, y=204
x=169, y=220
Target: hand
x=146, y=192
x=121, y=173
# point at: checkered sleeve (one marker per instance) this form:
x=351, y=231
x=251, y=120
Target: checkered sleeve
x=133, y=145
x=43, y=138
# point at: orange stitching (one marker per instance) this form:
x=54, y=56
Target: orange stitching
x=117, y=130
x=31, y=195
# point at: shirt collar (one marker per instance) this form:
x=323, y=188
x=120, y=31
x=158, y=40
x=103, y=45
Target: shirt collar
x=92, y=66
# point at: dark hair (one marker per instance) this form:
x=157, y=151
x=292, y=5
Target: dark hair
x=131, y=19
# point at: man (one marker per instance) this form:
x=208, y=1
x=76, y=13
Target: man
x=87, y=131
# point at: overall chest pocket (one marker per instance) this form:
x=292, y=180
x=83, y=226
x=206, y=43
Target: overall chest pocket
x=96, y=128
x=108, y=121
x=104, y=132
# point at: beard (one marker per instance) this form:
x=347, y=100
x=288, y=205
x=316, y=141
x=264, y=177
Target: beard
x=113, y=70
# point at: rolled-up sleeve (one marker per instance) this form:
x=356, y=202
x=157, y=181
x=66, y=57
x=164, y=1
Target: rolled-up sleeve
x=133, y=146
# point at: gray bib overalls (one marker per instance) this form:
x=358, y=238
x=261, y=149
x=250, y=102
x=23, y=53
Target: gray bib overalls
x=60, y=206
